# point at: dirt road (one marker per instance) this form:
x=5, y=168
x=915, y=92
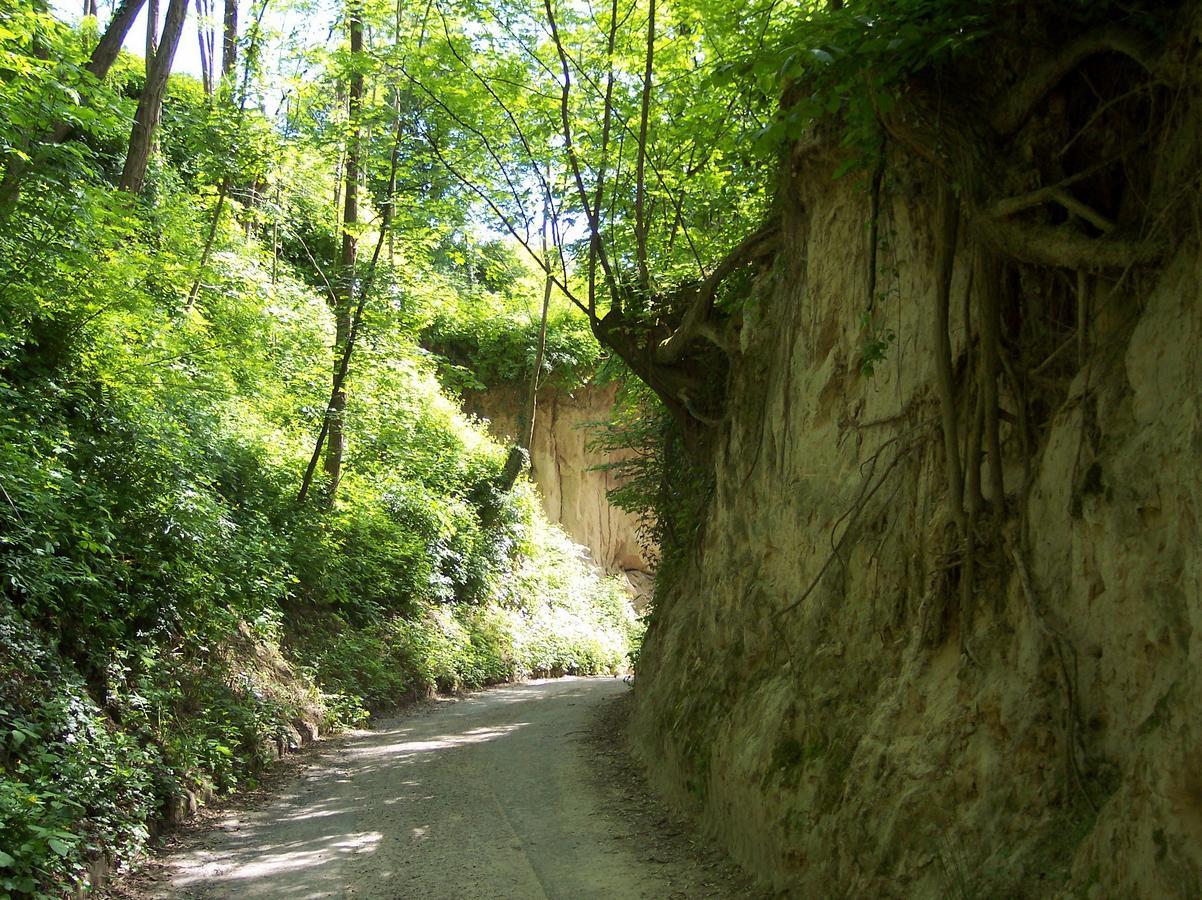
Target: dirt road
x=491, y=796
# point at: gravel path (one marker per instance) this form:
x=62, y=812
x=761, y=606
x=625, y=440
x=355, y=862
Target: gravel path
x=496, y=795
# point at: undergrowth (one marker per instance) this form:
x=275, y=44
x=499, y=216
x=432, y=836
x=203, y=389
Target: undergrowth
x=484, y=333
x=171, y=618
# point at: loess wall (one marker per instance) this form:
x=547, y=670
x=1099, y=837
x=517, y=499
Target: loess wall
x=810, y=685
x=573, y=490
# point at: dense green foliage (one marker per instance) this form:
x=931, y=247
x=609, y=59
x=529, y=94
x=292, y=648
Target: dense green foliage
x=169, y=614
x=170, y=611
x=483, y=324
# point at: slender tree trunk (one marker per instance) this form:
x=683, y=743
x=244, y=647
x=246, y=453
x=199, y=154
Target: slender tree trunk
x=204, y=36
x=275, y=237
x=152, y=33
x=336, y=443
x=258, y=191
x=338, y=186
x=105, y=52
x=208, y=247
x=89, y=7
x=592, y=210
x=396, y=103
x=526, y=438
x=229, y=38
x=640, y=181
x=342, y=367
x=227, y=182
x=152, y=43
x=150, y=104
x=338, y=162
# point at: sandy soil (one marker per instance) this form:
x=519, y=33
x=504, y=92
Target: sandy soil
x=507, y=793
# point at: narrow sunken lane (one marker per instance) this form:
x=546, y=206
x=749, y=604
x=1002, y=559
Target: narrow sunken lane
x=487, y=796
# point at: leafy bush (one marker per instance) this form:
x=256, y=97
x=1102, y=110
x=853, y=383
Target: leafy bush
x=168, y=612
x=484, y=332
x=479, y=349
x=73, y=785
x=554, y=615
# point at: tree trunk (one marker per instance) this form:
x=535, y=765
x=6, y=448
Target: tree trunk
x=150, y=104
x=275, y=237
x=152, y=33
x=106, y=51
x=526, y=437
x=346, y=262
x=342, y=366
x=338, y=162
x=204, y=36
x=640, y=184
x=222, y=192
x=229, y=38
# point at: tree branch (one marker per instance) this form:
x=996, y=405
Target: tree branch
x=640, y=187
x=1016, y=204
x=593, y=215
x=594, y=248
x=1020, y=102
x=1064, y=246
x=488, y=146
x=507, y=224
x=693, y=325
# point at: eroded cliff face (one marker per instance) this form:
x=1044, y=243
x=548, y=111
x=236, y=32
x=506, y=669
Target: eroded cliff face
x=573, y=490
x=810, y=684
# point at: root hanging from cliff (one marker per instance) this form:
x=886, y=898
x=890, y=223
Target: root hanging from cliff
x=945, y=256
x=968, y=538
x=1066, y=660
x=853, y=513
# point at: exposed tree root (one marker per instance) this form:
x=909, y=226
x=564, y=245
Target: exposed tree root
x=1063, y=246
x=945, y=255
x=968, y=538
x=979, y=161
x=874, y=225
x=759, y=245
x=1020, y=102
x=852, y=514
x=989, y=288
x=1066, y=659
